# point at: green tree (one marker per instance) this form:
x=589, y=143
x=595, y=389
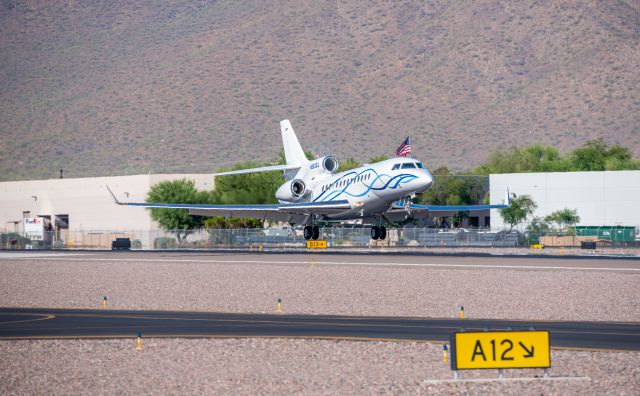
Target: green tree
x=347, y=164
x=590, y=157
x=520, y=208
x=536, y=229
x=250, y=188
x=535, y=158
x=564, y=217
x=177, y=220
x=225, y=223
x=595, y=155
x=449, y=189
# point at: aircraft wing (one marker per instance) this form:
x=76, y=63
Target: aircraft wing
x=255, y=170
x=455, y=208
x=439, y=209
x=276, y=212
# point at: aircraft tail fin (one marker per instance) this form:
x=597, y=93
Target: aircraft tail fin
x=293, y=152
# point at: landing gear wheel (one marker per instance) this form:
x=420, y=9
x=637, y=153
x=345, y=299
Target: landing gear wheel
x=308, y=232
x=315, y=232
x=375, y=232
x=383, y=232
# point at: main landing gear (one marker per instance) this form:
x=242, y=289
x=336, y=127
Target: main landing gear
x=311, y=232
x=378, y=232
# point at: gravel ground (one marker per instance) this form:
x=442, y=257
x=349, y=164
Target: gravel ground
x=278, y=366
x=349, y=290
x=568, y=251
x=281, y=366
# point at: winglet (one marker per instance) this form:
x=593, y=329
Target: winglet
x=507, y=198
x=114, y=197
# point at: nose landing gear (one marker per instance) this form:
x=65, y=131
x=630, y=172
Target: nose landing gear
x=311, y=232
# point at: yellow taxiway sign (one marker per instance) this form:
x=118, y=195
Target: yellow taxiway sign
x=318, y=244
x=500, y=349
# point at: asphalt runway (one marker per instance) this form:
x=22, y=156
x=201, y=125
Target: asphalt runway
x=40, y=323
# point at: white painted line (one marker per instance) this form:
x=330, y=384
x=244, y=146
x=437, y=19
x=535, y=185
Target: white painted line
x=516, y=379
x=347, y=263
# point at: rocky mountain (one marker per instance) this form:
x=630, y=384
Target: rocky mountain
x=125, y=87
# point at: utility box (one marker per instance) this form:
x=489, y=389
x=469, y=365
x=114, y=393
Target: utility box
x=608, y=233
x=588, y=245
x=121, y=244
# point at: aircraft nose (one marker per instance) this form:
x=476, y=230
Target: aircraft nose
x=426, y=181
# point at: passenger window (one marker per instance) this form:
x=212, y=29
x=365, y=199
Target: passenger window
x=409, y=165
x=395, y=167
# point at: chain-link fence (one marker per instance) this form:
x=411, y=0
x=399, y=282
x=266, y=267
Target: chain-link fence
x=289, y=237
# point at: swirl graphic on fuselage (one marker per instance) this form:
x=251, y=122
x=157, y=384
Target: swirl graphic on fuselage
x=390, y=183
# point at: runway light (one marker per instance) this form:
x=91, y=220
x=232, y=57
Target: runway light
x=104, y=302
x=279, y=305
x=461, y=312
x=139, y=337
x=445, y=348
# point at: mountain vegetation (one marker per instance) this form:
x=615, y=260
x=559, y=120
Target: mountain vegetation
x=128, y=87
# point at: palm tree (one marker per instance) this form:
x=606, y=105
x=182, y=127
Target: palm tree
x=520, y=208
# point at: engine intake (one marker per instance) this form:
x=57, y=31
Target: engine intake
x=292, y=190
x=298, y=188
x=330, y=164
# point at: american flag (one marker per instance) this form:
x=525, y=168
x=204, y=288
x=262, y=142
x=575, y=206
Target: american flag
x=405, y=148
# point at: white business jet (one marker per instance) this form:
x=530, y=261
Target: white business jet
x=314, y=190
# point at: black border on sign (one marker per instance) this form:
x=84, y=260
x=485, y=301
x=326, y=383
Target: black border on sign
x=452, y=350
x=454, y=363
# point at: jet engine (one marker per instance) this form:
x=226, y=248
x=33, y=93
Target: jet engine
x=330, y=164
x=292, y=190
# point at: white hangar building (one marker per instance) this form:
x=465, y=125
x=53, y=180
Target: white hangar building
x=83, y=208
x=607, y=198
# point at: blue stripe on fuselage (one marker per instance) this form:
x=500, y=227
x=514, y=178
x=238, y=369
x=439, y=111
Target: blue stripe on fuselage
x=392, y=183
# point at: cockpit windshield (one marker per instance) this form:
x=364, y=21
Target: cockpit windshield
x=419, y=165
x=408, y=165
